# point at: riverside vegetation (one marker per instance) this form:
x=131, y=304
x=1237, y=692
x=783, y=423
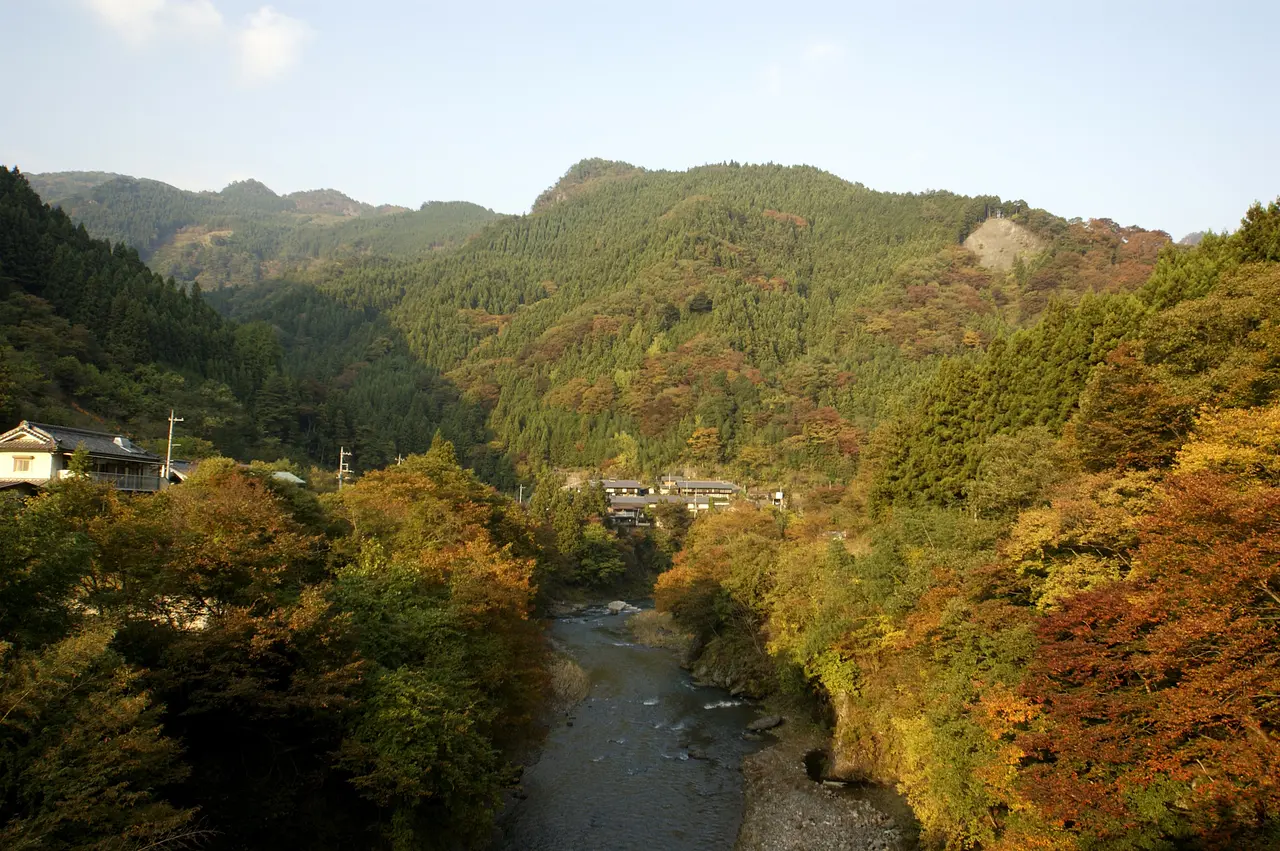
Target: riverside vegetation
x=1029, y=562
x=1055, y=619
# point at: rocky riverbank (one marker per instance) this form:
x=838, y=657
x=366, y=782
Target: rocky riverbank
x=786, y=810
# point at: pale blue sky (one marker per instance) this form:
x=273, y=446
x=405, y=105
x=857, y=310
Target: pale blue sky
x=1157, y=114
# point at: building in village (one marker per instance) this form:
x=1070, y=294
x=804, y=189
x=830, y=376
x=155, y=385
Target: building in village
x=623, y=487
x=708, y=489
x=631, y=502
x=637, y=510
x=34, y=454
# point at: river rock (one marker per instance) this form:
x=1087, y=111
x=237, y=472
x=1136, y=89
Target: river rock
x=618, y=607
x=768, y=722
x=697, y=753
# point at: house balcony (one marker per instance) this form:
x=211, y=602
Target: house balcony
x=144, y=482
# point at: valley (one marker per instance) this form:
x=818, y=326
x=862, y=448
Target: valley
x=1023, y=570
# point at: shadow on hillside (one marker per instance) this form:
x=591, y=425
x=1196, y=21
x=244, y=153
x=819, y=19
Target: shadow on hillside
x=358, y=384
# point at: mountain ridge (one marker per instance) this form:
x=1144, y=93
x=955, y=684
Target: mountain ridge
x=246, y=232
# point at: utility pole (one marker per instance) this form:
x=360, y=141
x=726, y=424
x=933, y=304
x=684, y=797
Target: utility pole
x=168, y=454
x=343, y=466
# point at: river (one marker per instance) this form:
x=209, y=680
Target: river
x=622, y=776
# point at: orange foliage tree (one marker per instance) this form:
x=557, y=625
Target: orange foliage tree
x=1160, y=691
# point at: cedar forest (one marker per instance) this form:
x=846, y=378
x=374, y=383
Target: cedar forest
x=1029, y=567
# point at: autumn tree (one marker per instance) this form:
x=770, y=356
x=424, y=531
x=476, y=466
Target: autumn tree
x=1158, y=690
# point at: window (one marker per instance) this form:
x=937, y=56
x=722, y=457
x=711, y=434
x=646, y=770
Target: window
x=22, y=464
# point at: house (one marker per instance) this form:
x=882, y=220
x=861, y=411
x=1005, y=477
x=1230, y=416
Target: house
x=628, y=510
x=623, y=487
x=716, y=491
x=637, y=510
x=34, y=454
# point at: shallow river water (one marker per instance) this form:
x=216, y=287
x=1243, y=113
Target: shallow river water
x=622, y=776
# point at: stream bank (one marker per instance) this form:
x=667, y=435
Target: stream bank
x=786, y=810
x=786, y=806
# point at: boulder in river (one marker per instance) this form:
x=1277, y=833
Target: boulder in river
x=768, y=722
x=618, y=607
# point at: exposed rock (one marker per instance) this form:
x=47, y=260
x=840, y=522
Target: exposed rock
x=697, y=753
x=618, y=607
x=768, y=722
x=786, y=811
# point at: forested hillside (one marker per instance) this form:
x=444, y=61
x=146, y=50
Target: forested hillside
x=247, y=233
x=752, y=320
x=755, y=319
x=90, y=335
x=1048, y=605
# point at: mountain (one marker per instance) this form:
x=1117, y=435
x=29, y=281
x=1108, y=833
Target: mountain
x=55, y=187
x=331, y=202
x=752, y=320
x=92, y=336
x=247, y=233
x=90, y=331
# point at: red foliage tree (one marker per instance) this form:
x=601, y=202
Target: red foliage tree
x=1162, y=692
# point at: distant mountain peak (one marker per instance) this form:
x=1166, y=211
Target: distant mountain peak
x=247, y=187
x=328, y=202
x=581, y=174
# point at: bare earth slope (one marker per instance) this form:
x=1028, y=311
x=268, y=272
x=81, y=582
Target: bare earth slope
x=998, y=241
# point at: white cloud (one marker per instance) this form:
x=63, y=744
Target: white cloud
x=195, y=16
x=139, y=21
x=271, y=44
x=134, y=19
x=267, y=46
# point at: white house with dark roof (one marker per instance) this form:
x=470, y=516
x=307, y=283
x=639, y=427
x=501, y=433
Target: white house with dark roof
x=34, y=454
x=715, y=489
x=623, y=487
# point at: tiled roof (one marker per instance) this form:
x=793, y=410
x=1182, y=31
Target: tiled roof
x=652, y=499
x=28, y=446
x=622, y=483
x=707, y=485
x=66, y=439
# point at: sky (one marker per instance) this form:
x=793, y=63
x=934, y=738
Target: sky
x=1158, y=114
